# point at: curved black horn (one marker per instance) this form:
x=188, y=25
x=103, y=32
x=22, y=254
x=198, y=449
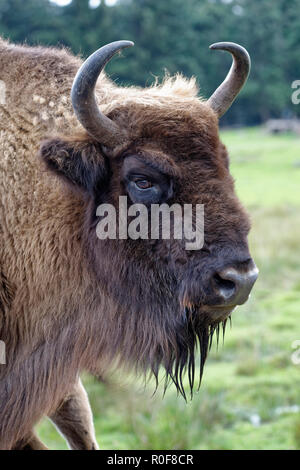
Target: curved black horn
x=84, y=103
x=224, y=96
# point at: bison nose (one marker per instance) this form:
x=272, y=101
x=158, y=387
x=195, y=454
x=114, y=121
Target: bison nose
x=233, y=285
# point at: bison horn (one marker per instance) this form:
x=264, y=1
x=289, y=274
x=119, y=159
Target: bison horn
x=83, y=98
x=224, y=96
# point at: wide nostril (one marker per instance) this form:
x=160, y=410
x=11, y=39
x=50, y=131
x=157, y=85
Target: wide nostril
x=225, y=287
x=234, y=286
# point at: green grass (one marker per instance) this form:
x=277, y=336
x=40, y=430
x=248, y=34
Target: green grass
x=250, y=385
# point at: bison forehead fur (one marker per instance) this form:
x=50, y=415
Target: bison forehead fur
x=69, y=301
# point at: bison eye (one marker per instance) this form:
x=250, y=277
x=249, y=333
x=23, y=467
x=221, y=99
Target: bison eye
x=143, y=190
x=143, y=184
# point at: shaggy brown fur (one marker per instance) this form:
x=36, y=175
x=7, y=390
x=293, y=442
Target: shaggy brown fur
x=68, y=301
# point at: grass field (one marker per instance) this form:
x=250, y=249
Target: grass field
x=250, y=397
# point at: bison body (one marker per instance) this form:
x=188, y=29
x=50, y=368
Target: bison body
x=71, y=302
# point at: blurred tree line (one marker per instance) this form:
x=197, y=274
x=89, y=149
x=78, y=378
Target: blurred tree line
x=174, y=35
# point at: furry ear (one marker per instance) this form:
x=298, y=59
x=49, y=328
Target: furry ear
x=80, y=163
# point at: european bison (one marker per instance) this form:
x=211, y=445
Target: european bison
x=71, y=301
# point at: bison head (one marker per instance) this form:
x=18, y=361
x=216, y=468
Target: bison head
x=154, y=146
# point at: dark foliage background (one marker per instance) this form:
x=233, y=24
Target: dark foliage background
x=174, y=35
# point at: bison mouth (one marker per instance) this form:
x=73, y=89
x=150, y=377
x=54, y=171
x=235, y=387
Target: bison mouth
x=192, y=343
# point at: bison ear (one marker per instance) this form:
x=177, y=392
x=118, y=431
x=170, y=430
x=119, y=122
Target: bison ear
x=80, y=163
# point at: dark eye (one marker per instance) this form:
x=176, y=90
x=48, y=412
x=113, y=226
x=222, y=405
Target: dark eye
x=143, y=184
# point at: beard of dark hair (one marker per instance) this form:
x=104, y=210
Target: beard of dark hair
x=194, y=336
x=144, y=328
